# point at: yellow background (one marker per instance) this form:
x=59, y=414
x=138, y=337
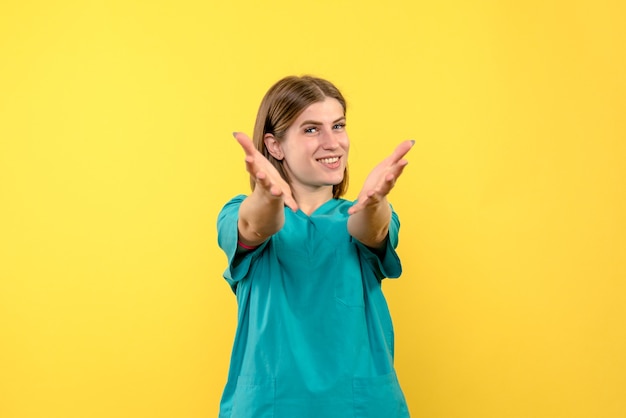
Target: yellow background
x=116, y=156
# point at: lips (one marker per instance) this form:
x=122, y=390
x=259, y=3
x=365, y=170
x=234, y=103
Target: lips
x=330, y=162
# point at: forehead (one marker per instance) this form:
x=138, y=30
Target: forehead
x=328, y=110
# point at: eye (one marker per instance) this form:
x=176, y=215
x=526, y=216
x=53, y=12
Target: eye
x=339, y=126
x=311, y=130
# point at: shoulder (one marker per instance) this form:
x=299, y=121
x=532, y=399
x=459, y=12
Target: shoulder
x=338, y=205
x=236, y=200
x=230, y=210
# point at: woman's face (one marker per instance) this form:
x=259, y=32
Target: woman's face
x=315, y=148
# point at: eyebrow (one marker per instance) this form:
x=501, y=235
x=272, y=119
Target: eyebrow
x=313, y=122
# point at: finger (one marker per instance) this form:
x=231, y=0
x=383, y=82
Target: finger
x=280, y=189
x=388, y=185
x=245, y=142
x=360, y=203
x=390, y=181
x=263, y=181
x=401, y=150
x=275, y=190
x=268, y=184
x=397, y=169
x=290, y=202
x=354, y=209
x=288, y=198
x=254, y=168
x=390, y=178
x=251, y=166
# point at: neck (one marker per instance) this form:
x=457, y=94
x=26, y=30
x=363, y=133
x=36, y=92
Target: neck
x=310, y=200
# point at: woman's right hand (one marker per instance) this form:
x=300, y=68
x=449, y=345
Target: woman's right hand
x=267, y=178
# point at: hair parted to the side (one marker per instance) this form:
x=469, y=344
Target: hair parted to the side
x=280, y=107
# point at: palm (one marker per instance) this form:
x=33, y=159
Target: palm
x=382, y=178
x=267, y=178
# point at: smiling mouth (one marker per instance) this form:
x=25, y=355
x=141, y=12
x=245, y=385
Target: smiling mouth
x=330, y=160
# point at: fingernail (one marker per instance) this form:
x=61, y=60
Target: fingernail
x=235, y=134
x=412, y=142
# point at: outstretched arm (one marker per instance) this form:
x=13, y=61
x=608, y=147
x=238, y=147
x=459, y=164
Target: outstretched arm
x=370, y=215
x=261, y=214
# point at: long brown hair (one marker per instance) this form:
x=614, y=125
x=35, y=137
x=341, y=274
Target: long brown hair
x=281, y=106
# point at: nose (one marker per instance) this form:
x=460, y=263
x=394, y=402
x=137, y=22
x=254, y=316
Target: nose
x=329, y=140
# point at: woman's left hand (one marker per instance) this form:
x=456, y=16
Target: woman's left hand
x=382, y=178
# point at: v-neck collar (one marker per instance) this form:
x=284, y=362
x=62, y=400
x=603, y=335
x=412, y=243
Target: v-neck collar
x=324, y=207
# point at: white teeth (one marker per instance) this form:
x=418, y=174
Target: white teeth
x=329, y=160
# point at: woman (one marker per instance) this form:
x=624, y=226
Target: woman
x=314, y=335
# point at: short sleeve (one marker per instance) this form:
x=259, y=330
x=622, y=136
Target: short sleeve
x=386, y=263
x=227, y=235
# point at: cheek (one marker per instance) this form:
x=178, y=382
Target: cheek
x=345, y=143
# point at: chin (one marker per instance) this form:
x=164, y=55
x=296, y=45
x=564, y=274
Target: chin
x=336, y=182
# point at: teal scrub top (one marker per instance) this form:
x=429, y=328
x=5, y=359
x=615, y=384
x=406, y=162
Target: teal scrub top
x=314, y=335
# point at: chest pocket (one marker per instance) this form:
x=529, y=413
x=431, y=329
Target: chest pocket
x=349, y=289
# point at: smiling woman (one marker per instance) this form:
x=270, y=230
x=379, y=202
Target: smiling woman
x=315, y=148
x=314, y=336
x=283, y=108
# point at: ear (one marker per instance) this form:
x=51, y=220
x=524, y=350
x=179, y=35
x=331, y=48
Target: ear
x=273, y=146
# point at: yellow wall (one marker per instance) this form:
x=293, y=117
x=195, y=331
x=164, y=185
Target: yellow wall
x=116, y=155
